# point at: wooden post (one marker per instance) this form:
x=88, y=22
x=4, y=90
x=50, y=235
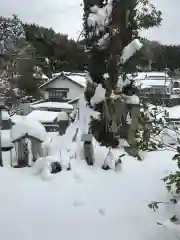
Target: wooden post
x=88, y=148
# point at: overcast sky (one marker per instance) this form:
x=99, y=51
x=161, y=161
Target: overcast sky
x=65, y=16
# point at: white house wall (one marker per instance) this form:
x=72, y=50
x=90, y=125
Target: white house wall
x=74, y=92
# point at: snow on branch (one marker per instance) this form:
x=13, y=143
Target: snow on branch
x=99, y=95
x=102, y=42
x=146, y=15
x=130, y=50
x=11, y=35
x=99, y=18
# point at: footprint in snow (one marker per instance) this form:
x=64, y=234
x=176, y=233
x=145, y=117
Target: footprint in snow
x=102, y=211
x=78, y=177
x=78, y=204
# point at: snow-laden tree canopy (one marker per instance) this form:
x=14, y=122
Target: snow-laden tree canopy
x=112, y=39
x=12, y=39
x=11, y=35
x=14, y=50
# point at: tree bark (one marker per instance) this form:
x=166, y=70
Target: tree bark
x=103, y=61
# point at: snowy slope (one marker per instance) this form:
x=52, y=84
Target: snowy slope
x=87, y=202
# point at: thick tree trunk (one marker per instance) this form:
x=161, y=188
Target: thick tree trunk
x=107, y=61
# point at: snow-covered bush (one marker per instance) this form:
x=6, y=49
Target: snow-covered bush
x=172, y=182
x=42, y=167
x=48, y=165
x=152, y=125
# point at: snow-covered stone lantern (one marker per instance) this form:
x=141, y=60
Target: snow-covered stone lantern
x=27, y=136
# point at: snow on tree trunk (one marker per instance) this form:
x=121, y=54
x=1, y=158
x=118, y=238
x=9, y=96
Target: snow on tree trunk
x=111, y=41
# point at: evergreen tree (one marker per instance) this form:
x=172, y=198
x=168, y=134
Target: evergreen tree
x=26, y=80
x=63, y=54
x=12, y=45
x=16, y=62
x=110, y=26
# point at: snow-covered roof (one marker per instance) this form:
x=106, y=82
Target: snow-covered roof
x=39, y=101
x=151, y=82
x=144, y=75
x=74, y=100
x=78, y=78
x=60, y=73
x=146, y=79
x=28, y=127
x=81, y=80
x=149, y=79
x=62, y=116
x=43, y=116
x=55, y=105
x=174, y=112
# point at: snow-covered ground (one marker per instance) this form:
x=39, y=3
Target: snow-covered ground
x=87, y=202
